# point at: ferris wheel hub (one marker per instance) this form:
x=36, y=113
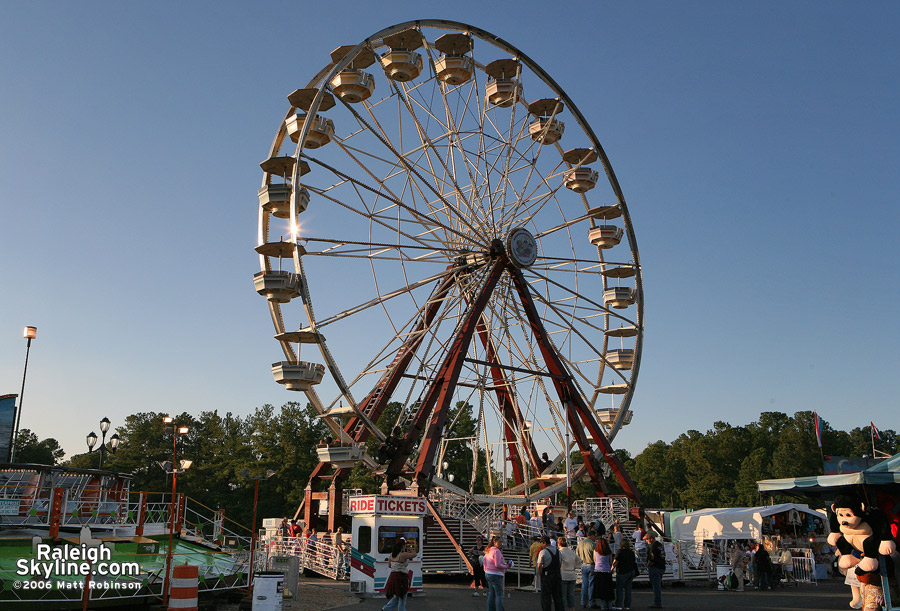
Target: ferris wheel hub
x=521, y=247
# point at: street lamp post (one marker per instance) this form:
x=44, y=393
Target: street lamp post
x=256, y=479
x=29, y=333
x=168, y=421
x=113, y=441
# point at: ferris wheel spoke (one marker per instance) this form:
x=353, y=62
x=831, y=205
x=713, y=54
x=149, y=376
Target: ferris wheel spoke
x=381, y=135
x=382, y=298
x=586, y=299
x=424, y=218
x=470, y=218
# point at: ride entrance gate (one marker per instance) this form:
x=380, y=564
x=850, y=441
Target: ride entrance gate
x=378, y=522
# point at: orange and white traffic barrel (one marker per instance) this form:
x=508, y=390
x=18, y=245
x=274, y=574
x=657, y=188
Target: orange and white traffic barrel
x=183, y=590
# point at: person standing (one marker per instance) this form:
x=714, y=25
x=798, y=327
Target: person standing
x=603, y=583
x=617, y=537
x=763, y=567
x=738, y=559
x=585, y=551
x=549, y=565
x=547, y=520
x=568, y=570
x=656, y=566
x=397, y=585
x=571, y=525
x=625, y=567
x=787, y=565
x=476, y=557
x=495, y=566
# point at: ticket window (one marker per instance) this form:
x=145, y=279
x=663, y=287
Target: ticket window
x=364, y=536
x=387, y=535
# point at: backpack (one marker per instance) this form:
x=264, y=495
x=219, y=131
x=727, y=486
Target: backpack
x=552, y=569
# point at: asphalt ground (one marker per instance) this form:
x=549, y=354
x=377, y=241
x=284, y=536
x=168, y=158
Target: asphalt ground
x=695, y=595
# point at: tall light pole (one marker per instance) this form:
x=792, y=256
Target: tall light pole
x=168, y=422
x=29, y=333
x=113, y=441
x=256, y=479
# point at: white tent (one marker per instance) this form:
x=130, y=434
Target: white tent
x=733, y=522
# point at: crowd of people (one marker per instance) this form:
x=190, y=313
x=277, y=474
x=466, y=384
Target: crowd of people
x=563, y=549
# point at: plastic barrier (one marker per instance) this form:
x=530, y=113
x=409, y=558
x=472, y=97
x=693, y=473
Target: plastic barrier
x=183, y=590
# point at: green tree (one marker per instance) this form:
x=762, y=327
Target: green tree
x=38, y=452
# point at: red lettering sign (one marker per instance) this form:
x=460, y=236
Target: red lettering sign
x=388, y=505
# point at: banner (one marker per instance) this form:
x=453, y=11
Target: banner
x=818, y=424
x=875, y=431
x=7, y=423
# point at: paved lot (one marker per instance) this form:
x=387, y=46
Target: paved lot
x=458, y=597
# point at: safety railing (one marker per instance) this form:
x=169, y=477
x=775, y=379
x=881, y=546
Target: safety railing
x=318, y=555
x=212, y=527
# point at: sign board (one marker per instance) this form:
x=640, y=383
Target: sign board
x=377, y=504
x=9, y=507
x=7, y=420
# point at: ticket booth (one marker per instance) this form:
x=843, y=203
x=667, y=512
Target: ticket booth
x=379, y=521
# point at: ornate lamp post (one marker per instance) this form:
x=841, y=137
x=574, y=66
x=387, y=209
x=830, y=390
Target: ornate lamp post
x=169, y=422
x=113, y=441
x=29, y=333
x=256, y=479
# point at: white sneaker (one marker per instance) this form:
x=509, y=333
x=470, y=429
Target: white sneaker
x=476, y=594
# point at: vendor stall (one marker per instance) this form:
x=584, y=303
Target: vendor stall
x=743, y=523
x=878, y=485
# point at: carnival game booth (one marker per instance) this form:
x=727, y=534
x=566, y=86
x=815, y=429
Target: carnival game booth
x=378, y=522
x=878, y=485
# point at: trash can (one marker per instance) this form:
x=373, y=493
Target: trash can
x=722, y=572
x=268, y=591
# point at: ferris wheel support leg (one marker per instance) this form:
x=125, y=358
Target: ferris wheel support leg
x=436, y=402
x=335, y=498
x=572, y=399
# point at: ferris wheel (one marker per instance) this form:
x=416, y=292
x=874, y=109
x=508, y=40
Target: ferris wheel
x=435, y=232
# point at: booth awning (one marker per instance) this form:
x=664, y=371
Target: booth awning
x=885, y=472
x=731, y=522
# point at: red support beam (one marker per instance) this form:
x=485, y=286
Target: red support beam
x=436, y=402
x=572, y=400
x=374, y=404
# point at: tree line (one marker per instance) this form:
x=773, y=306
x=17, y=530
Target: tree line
x=718, y=468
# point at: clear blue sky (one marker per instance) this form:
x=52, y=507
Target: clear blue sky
x=758, y=146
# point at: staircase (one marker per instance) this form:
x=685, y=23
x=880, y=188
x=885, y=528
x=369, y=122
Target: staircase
x=440, y=555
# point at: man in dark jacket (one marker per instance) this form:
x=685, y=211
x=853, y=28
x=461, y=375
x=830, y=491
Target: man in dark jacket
x=763, y=567
x=656, y=566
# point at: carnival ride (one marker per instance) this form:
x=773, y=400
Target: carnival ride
x=432, y=203
x=65, y=507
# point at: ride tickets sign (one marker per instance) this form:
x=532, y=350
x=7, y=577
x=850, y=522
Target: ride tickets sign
x=377, y=504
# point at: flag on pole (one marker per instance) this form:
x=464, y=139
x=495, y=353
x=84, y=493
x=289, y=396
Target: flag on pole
x=875, y=431
x=818, y=424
